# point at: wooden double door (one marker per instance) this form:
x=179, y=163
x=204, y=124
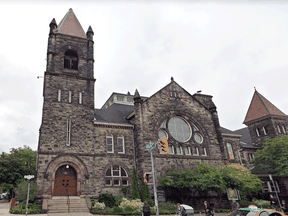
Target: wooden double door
x=65, y=181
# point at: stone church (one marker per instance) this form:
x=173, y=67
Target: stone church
x=86, y=151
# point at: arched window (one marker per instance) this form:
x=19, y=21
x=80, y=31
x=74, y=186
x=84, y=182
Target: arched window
x=116, y=176
x=71, y=60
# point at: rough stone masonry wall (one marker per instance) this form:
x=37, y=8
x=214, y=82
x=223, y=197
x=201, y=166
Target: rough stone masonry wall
x=170, y=101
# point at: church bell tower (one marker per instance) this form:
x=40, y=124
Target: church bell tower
x=66, y=129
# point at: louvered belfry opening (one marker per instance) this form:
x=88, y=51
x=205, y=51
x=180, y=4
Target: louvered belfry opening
x=71, y=60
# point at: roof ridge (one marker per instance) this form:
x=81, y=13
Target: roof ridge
x=260, y=96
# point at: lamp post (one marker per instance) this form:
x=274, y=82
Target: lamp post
x=28, y=177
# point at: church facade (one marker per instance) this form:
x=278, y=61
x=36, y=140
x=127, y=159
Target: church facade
x=84, y=151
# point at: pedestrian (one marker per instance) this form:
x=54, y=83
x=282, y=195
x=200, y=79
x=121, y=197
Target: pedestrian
x=273, y=202
x=207, y=209
x=181, y=211
x=284, y=207
x=235, y=205
x=146, y=209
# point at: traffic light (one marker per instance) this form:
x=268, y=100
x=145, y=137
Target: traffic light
x=164, y=145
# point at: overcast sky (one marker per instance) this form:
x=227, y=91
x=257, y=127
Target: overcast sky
x=224, y=49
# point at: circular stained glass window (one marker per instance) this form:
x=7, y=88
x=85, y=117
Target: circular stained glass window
x=179, y=129
x=162, y=134
x=198, y=138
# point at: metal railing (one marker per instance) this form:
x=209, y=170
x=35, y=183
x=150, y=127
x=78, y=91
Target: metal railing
x=68, y=201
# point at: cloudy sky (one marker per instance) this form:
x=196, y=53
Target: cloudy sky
x=224, y=49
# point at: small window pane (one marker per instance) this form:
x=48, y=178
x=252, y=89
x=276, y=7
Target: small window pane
x=108, y=172
x=59, y=95
x=116, y=182
x=124, y=182
x=162, y=134
x=198, y=138
x=203, y=151
x=70, y=97
x=116, y=171
x=123, y=172
x=107, y=182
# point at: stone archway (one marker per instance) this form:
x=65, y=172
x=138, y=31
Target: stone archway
x=65, y=181
x=78, y=170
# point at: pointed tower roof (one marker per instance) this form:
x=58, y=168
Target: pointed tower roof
x=70, y=25
x=261, y=107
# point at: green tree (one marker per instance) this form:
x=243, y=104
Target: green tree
x=206, y=178
x=273, y=157
x=16, y=164
x=145, y=193
x=135, y=188
x=21, y=190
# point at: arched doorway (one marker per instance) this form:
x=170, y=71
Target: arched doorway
x=65, y=181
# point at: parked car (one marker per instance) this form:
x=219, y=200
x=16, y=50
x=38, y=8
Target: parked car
x=256, y=212
x=189, y=209
x=3, y=195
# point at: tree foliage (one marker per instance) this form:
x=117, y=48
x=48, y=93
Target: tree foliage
x=21, y=190
x=145, y=193
x=273, y=157
x=135, y=186
x=16, y=164
x=206, y=178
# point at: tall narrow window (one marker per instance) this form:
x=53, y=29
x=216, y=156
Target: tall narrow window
x=178, y=150
x=109, y=144
x=257, y=132
x=187, y=150
x=120, y=144
x=195, y=151
x=80, y=97
x=203, y=151
x=70, y=97
x=284, y=130
x=230, y=151
x=59, y=95
x=250, y=157
x=279, y=130
x=68, y=132
x=171, y=149
x=264, y=130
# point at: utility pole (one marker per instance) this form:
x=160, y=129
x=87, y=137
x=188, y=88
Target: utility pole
x=28, y=177
x=154, y=183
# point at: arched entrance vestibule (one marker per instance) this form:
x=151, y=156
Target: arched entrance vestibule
x=65, y=181
x=76, y=174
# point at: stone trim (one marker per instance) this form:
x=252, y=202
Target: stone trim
x=72, y=38
x=113, y=125
x=69, y=76
x=231, y=135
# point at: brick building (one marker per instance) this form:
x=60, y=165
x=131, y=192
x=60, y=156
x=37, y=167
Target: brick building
x=87, y=151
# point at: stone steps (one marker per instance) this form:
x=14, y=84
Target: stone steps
x=59, y=205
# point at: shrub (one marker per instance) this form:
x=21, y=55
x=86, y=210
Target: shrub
x=96, y=211
x=124, y=190
x=261, y=203
x=93, y=203
x=118, y=200
x=135, y=205
x=244, y=203
x=32, y=209
x=108, y=211
x=108, y=199
x=168, y=206
x=21, y=190
x=117, y=210
x=99, y=206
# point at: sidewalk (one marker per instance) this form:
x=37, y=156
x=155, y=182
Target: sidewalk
x=4, y=211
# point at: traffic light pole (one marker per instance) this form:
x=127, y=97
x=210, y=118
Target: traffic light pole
x=154, y=184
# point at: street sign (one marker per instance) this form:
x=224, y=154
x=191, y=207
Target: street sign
x=151, y=145
x=29, y=176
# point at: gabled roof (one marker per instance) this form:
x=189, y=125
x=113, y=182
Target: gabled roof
x=115, y=113
x=261, y=107
x=70, y=25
